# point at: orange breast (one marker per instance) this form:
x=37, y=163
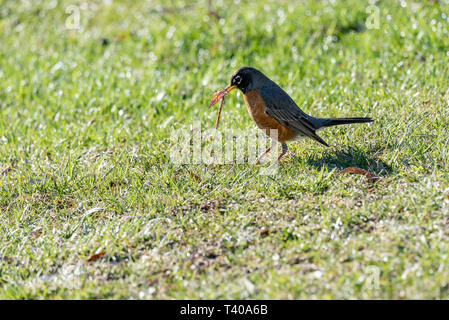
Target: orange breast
x=256, y=109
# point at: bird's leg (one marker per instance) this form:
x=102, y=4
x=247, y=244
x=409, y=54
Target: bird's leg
x=284, y=151
x=266, y=152
x=262, y=155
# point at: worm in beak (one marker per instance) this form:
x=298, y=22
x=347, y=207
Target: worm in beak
x=217, y=96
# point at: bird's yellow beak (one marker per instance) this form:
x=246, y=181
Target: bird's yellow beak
x=230, y=88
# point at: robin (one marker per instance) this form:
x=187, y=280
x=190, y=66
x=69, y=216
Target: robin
x=270, y=107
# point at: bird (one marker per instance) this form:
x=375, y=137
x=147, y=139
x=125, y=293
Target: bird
x=270, y=107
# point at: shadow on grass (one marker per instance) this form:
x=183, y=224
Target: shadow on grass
x=342, y=159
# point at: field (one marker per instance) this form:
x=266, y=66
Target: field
x=93, y=207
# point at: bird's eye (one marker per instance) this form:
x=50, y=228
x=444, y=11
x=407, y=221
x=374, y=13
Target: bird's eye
x=238, y=79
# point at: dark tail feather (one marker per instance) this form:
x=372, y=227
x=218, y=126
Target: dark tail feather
x=338, y=121
x=318, y=138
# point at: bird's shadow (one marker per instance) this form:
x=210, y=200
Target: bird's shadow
x=351, y=157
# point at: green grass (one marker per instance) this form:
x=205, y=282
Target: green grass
x=85, y=123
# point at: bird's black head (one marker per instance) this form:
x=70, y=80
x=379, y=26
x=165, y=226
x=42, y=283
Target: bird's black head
x=242, y=78
x=246, y=79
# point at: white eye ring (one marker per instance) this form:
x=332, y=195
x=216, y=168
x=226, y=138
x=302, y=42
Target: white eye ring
x=238, y=79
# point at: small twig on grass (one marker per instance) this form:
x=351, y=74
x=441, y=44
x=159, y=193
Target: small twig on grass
x=96, y=256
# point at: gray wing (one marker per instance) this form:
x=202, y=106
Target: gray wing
x=281, y=107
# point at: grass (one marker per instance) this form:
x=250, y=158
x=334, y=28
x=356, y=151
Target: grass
x=85, y=123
